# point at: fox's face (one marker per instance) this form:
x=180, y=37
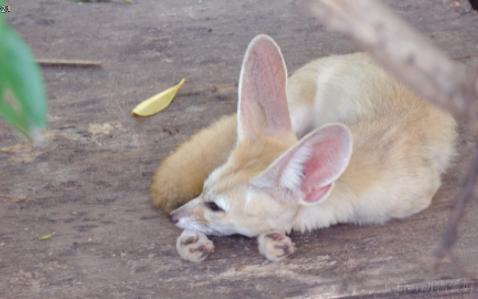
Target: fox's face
x=232, y=203
x=269, y=176
x=242, y=209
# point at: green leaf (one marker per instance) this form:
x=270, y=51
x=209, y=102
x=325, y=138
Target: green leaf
x=19, y=74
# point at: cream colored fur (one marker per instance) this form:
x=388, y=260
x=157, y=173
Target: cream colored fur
x=401, y=146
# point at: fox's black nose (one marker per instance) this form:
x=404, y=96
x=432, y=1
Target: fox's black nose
x=174, y=218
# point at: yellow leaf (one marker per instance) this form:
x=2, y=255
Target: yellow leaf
x=45, y=237
x=157, y=102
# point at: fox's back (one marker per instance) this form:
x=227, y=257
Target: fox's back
x=348, y=89
x=352, y=89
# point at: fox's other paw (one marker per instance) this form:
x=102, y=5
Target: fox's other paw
x=194, y=246
x=275, y=246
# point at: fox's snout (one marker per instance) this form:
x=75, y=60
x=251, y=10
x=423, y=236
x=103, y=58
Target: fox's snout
x=190, y=216
x=174, y=218
x=179, y=214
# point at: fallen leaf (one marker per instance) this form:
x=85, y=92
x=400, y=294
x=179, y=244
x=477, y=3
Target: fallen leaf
x=45, y=237
x=157, y=102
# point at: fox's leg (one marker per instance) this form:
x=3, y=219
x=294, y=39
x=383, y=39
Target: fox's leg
x=275, y=246
x=180, y=176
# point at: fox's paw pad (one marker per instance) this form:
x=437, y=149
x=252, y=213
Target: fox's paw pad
x=275, y=246
x=194, y=246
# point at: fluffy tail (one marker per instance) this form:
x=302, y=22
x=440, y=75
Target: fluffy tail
x=180, y=177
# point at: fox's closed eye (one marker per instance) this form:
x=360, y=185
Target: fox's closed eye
x=211, y=205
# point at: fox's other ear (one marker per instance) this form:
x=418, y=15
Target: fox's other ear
x=262, y=107
x=309, y=169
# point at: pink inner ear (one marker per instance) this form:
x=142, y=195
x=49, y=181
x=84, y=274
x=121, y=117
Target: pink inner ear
x=263, y=104
x=322, y=168
x=323, y=162
x=316, y=194
x=313, y=165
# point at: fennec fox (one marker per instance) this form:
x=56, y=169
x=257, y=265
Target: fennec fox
x=340, y=141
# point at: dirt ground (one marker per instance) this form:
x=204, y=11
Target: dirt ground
x=87, y=185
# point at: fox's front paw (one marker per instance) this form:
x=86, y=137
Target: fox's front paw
x=275, y=246
x=194, y=246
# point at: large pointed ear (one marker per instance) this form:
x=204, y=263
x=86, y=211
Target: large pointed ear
x=262, y=107
x=309, y=169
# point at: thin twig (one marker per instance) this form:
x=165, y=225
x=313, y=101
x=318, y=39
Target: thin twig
x=450, y=235
x=69, y=63
x=413, y=59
